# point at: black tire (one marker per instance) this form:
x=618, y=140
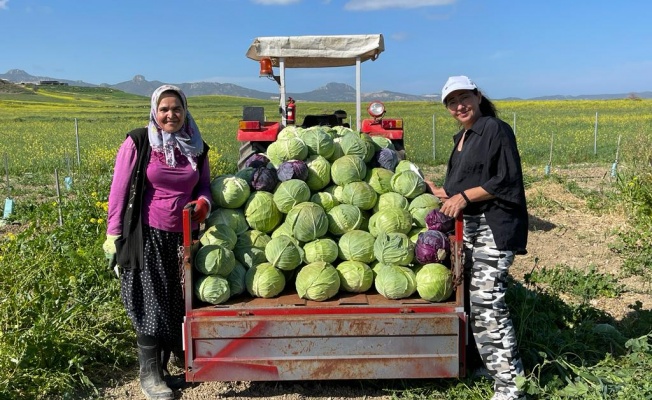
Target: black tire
x=400, y=150
x=248, y=149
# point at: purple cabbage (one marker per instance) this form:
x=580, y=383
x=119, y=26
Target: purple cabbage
x=438, y=221
x=386, y=158
x=293, y=169
x=432, y=247
x=264, y=179
x=257, y=160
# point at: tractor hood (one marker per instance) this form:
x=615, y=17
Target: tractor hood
x=317, y=51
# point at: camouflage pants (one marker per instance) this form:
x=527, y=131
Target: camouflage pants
x=490, y=320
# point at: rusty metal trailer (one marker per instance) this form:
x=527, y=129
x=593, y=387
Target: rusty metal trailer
x=352, y=336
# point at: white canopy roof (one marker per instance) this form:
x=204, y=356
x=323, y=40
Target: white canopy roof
x=317, y=51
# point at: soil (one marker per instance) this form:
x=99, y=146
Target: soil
x=563, y=231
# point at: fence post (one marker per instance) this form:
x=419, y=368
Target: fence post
x=434, y=143
x=9, y=202
x=77, y=141
x=549, y=166
x=595, y=135
x=514, y=125
x=56, y=179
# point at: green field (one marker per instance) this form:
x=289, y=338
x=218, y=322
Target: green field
x=42, y=126
x=63, y=330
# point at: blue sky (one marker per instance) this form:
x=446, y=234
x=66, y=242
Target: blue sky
x=509, y=48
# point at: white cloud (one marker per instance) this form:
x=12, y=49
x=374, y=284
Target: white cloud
x=3, y=4
x=500, y=54
x=275, y=2
x=399, y=36
x=373, y=5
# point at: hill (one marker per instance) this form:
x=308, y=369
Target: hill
x=332, y=92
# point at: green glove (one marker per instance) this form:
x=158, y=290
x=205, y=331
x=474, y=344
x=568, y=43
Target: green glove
x=109, y=246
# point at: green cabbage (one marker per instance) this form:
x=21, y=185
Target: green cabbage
x=391, y=199
x=359, y=194
x=212, y=289
x=234, y=218
x=405, y=165
x=250, y=248
x=347, y=169
x=318, y=281
x=420, y=206
x=326, y=200
x=414, y=233
x=382, y=142
x=214, y=259
x=219, y=234
x=320, y=250
x=343, y=218
x=246, y=173
x=370, y=145
x=318, y=141
x=264, y=280
x=389, y=220
x=283, y=253
x=353, y=145
x=356, y=245
x=355, y=276
x=395, y=281
x=319, y=172
x=286, y=149
x=289, y=132
x=261, y=212
x=434, y=282
x=380, y=179
x=229, y=191
x=336, y=191
x=308, y=221
x=236, y=279
x=283, y=230
x=337, y=150
x=408, y=183
x=290, y=193
x=394, y=248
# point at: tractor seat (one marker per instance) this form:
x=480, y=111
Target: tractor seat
x=320, y=120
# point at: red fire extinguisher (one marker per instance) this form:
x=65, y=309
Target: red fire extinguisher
x=291, y=111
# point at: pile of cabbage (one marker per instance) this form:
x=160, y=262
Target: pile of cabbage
x=323, y=211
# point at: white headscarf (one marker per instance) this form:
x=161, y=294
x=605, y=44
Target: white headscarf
x=187, y=139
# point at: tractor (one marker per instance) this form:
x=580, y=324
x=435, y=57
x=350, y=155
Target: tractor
x=255, y=133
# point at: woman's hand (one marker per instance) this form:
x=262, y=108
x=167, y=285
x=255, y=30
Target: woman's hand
x=454, y=206
x=436, y=191
x=201, y=209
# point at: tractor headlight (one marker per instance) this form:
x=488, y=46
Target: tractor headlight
x=376, y=109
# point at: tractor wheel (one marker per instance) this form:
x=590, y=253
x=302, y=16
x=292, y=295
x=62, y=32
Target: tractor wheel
x=248, y=149
x=400, y=150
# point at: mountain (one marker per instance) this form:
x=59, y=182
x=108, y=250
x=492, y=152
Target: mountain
x=20, y=76
x=331, y=92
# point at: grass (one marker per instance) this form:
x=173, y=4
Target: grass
x=62, y=325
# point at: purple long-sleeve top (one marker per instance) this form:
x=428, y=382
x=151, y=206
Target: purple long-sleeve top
x=167, y=190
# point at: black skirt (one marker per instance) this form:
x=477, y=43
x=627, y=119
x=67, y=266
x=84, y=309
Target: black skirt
x=152, y=295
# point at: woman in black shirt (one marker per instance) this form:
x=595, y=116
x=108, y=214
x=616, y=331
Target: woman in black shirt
x=484, y=181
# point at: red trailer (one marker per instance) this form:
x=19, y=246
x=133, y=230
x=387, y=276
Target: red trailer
x=352, y=336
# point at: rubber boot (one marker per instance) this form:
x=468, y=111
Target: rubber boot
x=151, y=383
x=173, y=382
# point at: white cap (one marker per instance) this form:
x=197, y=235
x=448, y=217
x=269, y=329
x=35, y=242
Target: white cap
x=456, y=83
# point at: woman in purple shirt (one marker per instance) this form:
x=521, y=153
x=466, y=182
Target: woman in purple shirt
x=158, y=170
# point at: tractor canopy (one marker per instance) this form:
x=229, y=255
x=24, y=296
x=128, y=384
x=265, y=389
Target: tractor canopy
x=317, y=51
